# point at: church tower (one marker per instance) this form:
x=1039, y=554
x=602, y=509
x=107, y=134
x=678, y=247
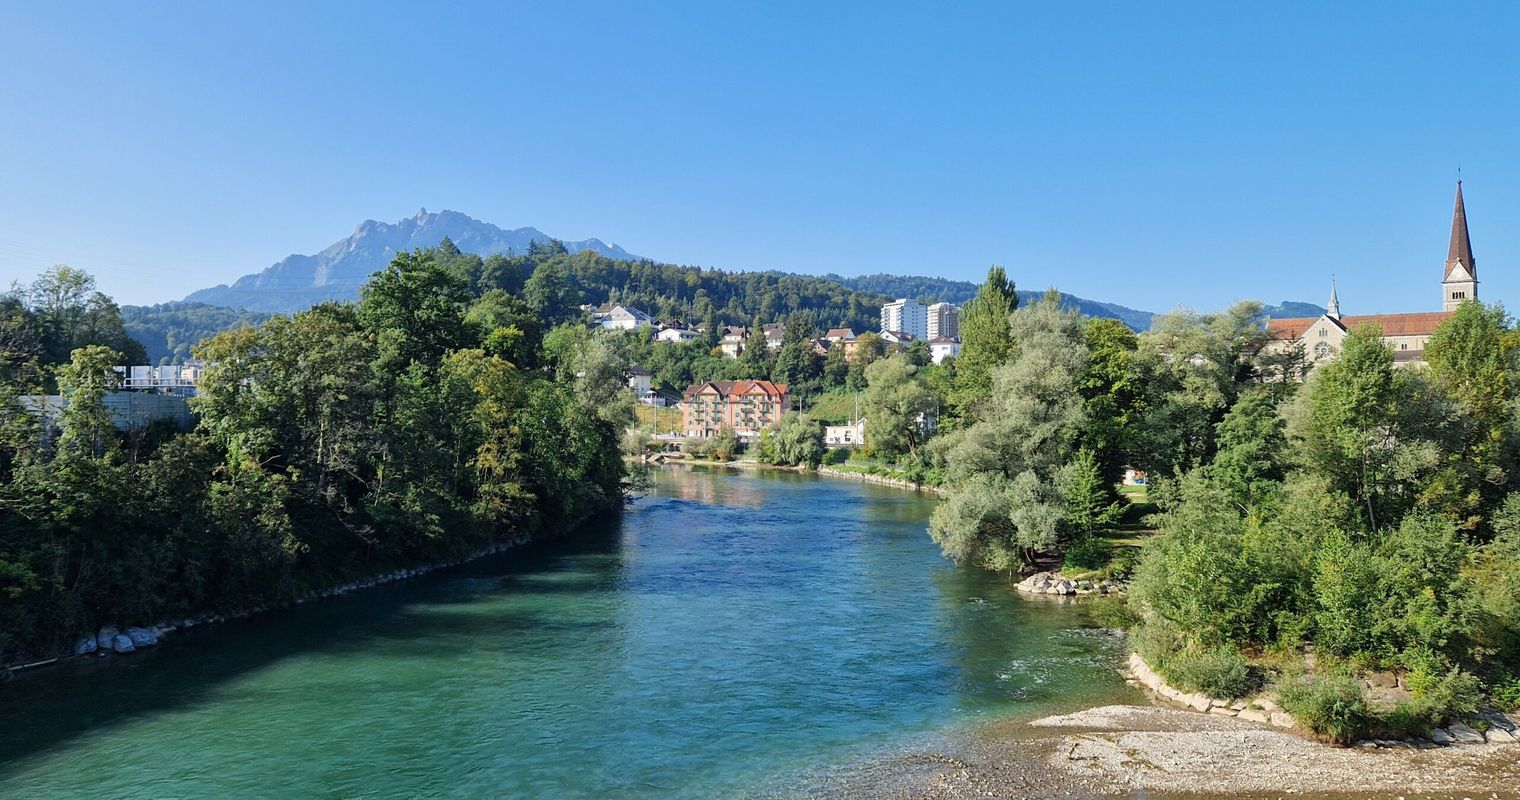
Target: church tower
x=1333, y=311
x=1461, y=279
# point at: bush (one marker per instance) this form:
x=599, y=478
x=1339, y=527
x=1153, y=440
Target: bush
x=1331, y=707
x=1506, y=693
x=836, y=455
x=1112, y=611
x=1088, y=553
x=1219, y=672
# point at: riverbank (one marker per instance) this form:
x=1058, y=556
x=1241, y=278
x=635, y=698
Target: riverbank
x=1128, y=751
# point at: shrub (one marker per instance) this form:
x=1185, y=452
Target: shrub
x=1331, y=707
x=1219, y=672
x=1506, y=692
x=836, y=455
x=1090, y=552
x=1111, y=611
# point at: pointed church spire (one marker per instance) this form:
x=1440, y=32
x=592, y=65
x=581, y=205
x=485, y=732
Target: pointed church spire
x=1460, y=251
x=1334, y=309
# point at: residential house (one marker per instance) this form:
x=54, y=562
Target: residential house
x=897, y=337
x=676, y=335
x=735, y=339
x=775, y=334
x=850, y=434
x=744, y=406
x=619, y=317
x=943, y=347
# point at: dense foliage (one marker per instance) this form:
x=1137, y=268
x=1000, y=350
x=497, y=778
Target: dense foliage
x=422, y=423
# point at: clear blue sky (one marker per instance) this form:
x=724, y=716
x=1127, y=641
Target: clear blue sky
x=1146, y=154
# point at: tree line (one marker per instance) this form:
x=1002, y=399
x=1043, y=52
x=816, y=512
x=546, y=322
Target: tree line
x=428, y=420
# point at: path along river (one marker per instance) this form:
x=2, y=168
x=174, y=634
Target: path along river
x=734, y=634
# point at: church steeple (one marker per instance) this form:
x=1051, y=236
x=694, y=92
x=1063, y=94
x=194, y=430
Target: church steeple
x=1460, y=281
x=1333, y=311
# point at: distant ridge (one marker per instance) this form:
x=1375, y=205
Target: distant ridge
x=336, y=273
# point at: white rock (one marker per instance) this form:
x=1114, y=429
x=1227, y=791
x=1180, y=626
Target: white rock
x=1282, y=720
x=122, y=643
x=1253, y=715
x=106, y=635
x=1497, y=735
x=142, y=637
x=86, y=645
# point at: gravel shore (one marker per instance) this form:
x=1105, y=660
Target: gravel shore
x=1134, y=751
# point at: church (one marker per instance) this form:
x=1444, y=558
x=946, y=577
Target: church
x=1405, y=333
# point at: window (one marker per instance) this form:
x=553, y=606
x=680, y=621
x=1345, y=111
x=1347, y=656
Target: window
x=1322, y=351
x=1404, y=346
x=1323, y=333
x=1459, y=295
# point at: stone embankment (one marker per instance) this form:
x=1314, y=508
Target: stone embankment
x=111, y=639
x=882, y=480
x=1497, y=728
x=1054, y=583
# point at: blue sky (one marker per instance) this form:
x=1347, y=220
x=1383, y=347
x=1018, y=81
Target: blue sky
x=1146, y=154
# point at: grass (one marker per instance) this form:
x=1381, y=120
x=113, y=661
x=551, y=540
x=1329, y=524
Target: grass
x=662, y=420
x=832, y=407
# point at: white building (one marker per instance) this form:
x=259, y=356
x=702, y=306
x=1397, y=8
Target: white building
x=906, y=315
x=676, y=335
x=943, y=347
x=620, y=317
x=944, y=321
x=896, y=337
x=849, y=434
x=775, y=334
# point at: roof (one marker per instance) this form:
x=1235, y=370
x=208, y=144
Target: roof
x=944, y=340
x=1460, y=249
x=727, y=389
x=901, y=336
x=839, y=333
x=1419, y=323
x=637, y=370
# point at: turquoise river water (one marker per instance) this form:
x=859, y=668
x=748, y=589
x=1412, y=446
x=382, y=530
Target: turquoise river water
x=734, y=634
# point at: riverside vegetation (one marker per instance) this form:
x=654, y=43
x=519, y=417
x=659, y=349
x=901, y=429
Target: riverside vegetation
x=1317, y=539
x=429, y=420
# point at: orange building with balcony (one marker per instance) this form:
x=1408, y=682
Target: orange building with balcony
x=744, y=406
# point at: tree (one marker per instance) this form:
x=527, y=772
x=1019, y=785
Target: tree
x=1251, y=457
x=798, y=441
x=1110, y=389
x=552, y=294
x=1088, y=499
x=416, y=308
x=896, y=403
x=985, y=340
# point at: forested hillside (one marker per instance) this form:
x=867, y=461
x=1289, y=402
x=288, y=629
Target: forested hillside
x=167, y=331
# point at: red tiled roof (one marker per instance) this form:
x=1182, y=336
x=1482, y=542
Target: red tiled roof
x=726, y=389
x=1419, y=323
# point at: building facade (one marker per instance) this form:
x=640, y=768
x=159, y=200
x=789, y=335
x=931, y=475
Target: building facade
x=619, y=317
x=944, y=321
x=850, y=434
x=907, y=316
x=1406, y=334
x=943, y=347
x=744, y=406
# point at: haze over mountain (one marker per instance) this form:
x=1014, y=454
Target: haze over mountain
x=300, y=281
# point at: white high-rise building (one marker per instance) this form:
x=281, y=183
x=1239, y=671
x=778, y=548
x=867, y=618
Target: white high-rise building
x=944, y=321
x=906, y=316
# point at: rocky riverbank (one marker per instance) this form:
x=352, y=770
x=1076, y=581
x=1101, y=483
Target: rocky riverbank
x=1055, y=583
x=881, y=480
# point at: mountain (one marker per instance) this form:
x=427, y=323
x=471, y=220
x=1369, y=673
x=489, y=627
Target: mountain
x=1289, y=309
x=337, y=272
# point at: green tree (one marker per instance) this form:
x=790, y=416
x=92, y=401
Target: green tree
x=896, y=404
x=986, y=341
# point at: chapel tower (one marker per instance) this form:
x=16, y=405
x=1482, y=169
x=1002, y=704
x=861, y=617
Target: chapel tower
x=1460, y=281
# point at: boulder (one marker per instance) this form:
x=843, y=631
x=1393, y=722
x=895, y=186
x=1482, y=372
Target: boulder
x=1281, y=720
x=142, y=637
x=1497, y=735
x=1497, y=720
x=106, y=635
x=1465, y=734
x=1440, y=736
x=86, y=645
x=122, y=643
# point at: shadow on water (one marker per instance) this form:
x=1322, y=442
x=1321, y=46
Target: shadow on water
x=48, y=706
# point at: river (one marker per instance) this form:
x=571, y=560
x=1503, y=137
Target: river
x=733, y=634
